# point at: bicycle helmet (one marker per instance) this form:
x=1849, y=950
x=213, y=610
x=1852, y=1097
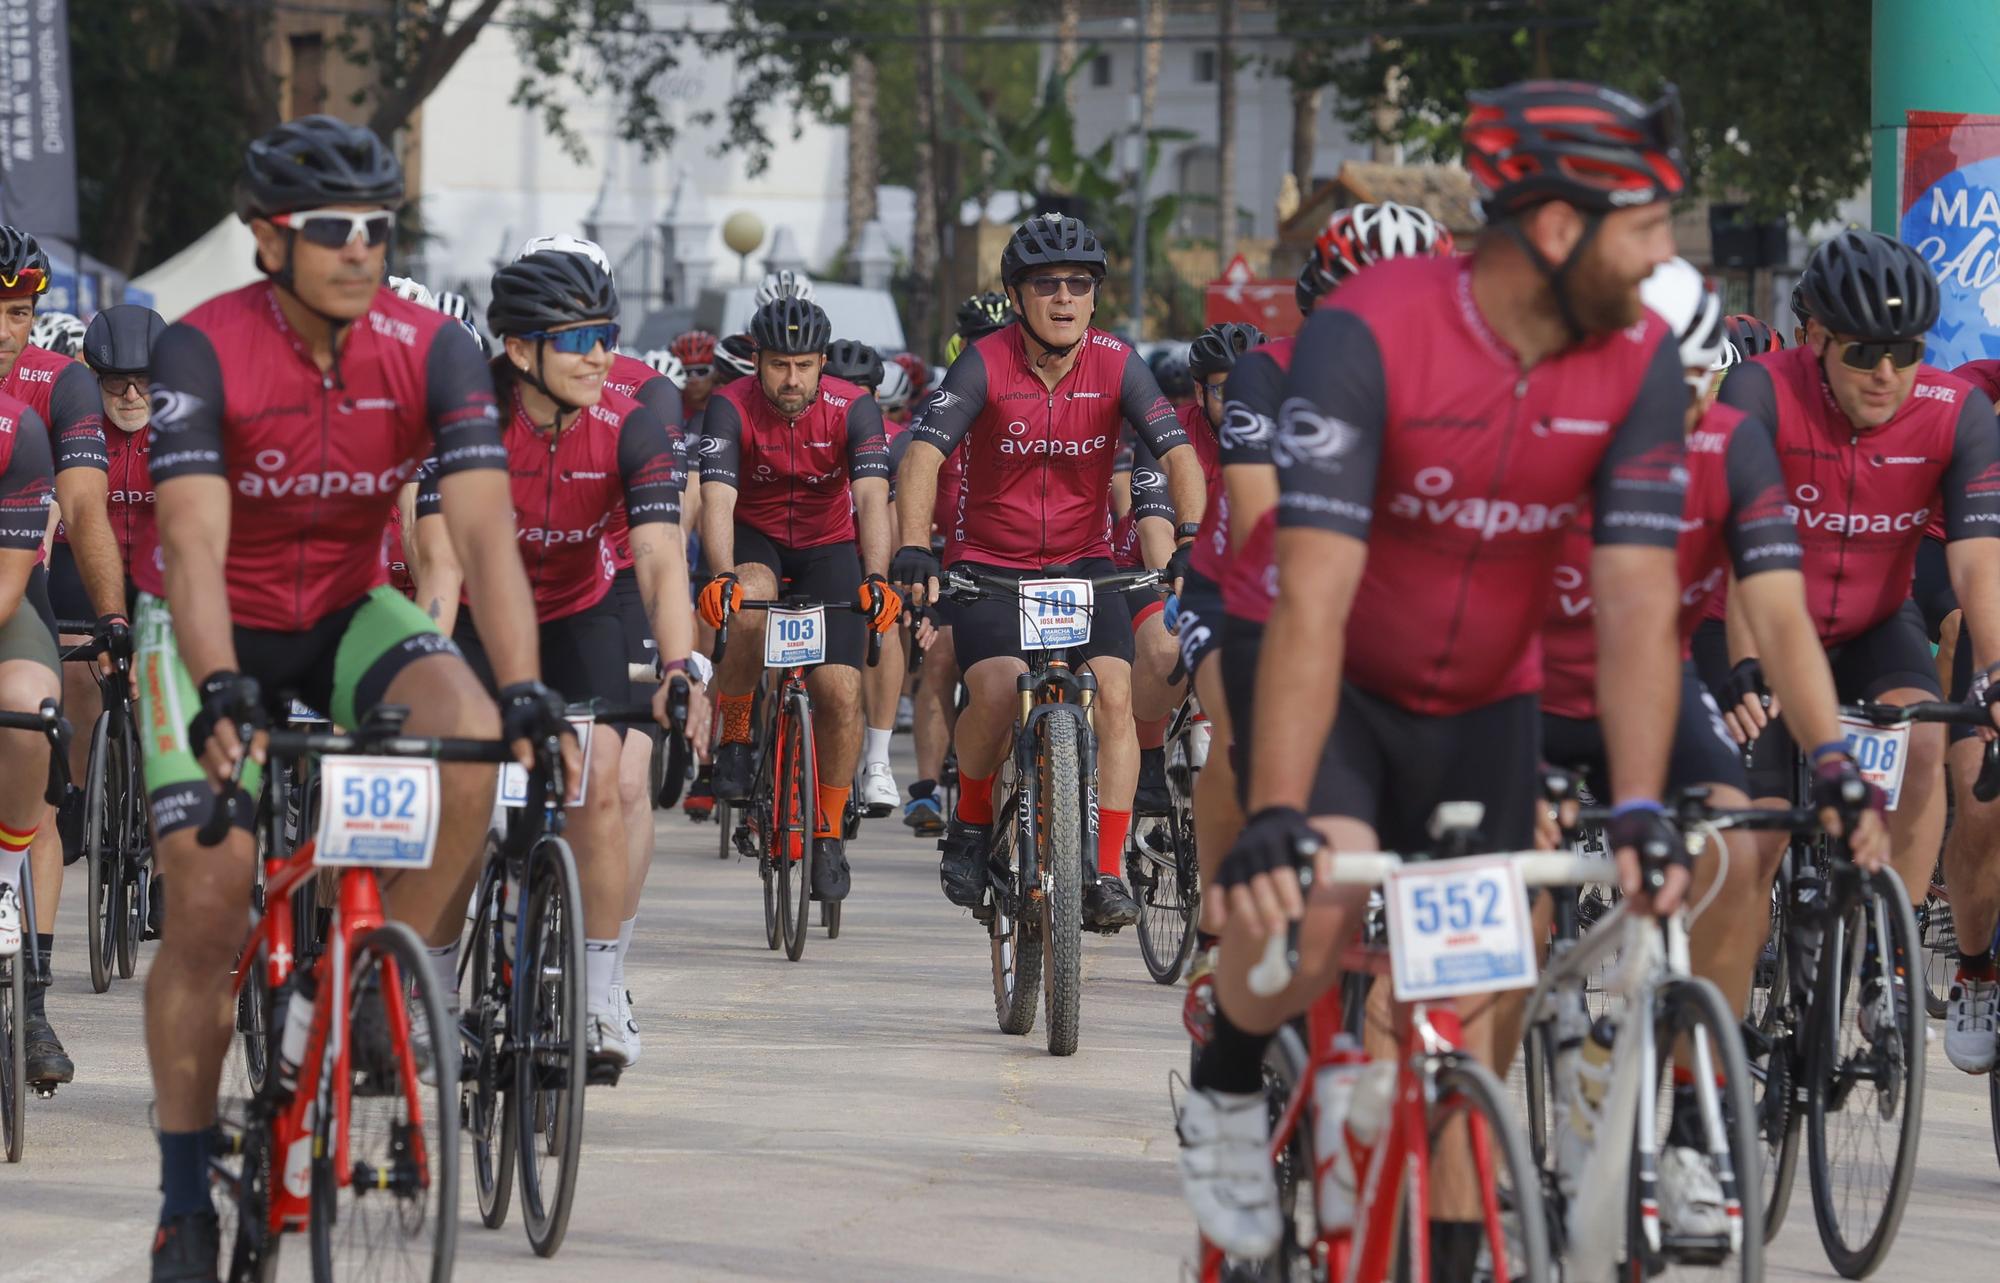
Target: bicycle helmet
x=413, y=292
x=1870, y=286
x=459, y=308
x=24, y=268
x=1799, y=312
x=984, y=313
x=785, y=284
x=1750, y=336
x=855, y=361
x=547, y=289
x=952, y=347
x=315, y=161
x=1215, y=349
x=1170, y=371
x=920, y=374
x=120, y=339
x=1573, y=141
x=1050, y=240
x=735, y=357
x=1731, y=355
x=1677, y=292
x=896, y=389
x=57, y=332
x=791, y=327
x=564, y=243
x=663, y=361
x=696, y=347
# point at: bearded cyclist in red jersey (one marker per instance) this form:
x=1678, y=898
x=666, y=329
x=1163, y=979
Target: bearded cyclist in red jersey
x=270, y=528
x=1442, y=423
x=1036, y=408
x=1872, y=440
x=795, y=480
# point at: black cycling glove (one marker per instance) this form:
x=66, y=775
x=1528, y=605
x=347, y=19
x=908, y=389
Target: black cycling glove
x=1277, y=837
x=1745, y=679
x=531, y=711
x=1646, y=828
x=1177, y=565
x=226, y=696
x=914, y=566
x=1837, y=786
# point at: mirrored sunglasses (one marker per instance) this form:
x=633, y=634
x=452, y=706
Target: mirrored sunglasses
x=339, y=228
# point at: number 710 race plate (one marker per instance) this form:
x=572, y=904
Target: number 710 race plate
x=1458, y=927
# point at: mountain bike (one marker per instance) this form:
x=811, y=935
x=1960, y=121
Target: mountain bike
x=117, y=835
x=1160, y=856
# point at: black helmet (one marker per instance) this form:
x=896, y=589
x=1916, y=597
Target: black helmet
x=1573, y=141
x=548, y=289
x=1751, y=336
x=315, y=161
x=791, y=326
x=120, y=339
x=24, y=268
x=735, y=357
x=1799, y=312
x=855, y=361
x=984, y=313
x=1170, y=370
x=1050, y=240
x=1870, y=286
x=1215, y=349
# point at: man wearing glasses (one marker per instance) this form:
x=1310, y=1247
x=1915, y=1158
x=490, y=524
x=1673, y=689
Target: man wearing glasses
x=1036, y=406
x=1872, y=441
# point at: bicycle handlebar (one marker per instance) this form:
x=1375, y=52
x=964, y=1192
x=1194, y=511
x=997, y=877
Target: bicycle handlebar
x=967, y=584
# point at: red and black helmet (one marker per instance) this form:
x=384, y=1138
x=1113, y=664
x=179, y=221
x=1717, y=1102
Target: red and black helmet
x=696, y=347
x=1570, y=140
x=1361, y=235
x=1751, y=336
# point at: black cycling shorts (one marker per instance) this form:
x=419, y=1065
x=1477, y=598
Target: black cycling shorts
x=1200, y=621
x=1710, y=649
x=830, y=572
x=583, y=655
x=639, y=645
x=1931, y=587
x=990, y=628
x=1242, y=641
x=1894, y=654
x=1703, y=752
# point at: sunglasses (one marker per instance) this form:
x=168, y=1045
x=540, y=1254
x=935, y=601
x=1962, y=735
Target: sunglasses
x=30, y=281
x=1049, y=286
x=339, y=228
x=579, y=341
x=699, y=371
x=122, y=384
x=1866, y=354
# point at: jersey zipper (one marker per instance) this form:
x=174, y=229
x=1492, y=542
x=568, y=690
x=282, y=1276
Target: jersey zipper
x=548, y=508
x=312, y=519
x=1472, y=557
x=1840, y=566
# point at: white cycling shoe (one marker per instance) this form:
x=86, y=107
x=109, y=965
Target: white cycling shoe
x=631, y=1026
x=1971, y=1022
x=879, y=795
x=1691, y=1202
x=605, y=1036
x=1226, y=1171
x=10, y=921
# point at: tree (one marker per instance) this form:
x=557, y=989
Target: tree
x=1225, y=128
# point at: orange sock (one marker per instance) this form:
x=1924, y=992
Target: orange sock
x=735, y=717
x=975, y=799
x=1112, y=826
x=832, y=809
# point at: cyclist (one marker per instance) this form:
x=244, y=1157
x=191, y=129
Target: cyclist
x=268, y=571
x=1873, y=441
x=1422, y=514
x=1035, y=407
x=28, y=669
x=895, y=394
x=796, y=498
x=918, y=373
x=696, y=350
x=1170, y=370
x=735, y=358
x=58, y=332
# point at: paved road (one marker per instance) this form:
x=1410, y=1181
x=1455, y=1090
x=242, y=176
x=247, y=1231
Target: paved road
x=851, y=1116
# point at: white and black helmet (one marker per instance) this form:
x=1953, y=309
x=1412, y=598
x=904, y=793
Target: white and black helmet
x=564, y=243
x=785, y=284
x=1677, y=292
x=413, y=291
x=57, y=332
x=665, y=362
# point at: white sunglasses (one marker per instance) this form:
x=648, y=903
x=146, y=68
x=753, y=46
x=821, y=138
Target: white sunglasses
x=339, y=228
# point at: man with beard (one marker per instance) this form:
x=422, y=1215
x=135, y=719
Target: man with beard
x=1442, y=422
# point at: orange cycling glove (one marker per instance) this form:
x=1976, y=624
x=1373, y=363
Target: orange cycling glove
x=722, y=588
x=884, y=604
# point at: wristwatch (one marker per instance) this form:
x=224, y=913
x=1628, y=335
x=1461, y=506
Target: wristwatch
x=1187, y=530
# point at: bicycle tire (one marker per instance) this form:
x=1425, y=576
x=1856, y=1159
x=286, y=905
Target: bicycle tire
x=1773, y=1017
x=1857, y=1249
x=797, y=810
x=135, y=884
x=1462, y=1085
x=1535, y=1071
x=1938, y=935
x=240, y=1170
x=1015, y=941
x=1993, y=1109
x=829, y=917
x=548, y=1019
x=100, y=858
x=483, y=1113
x=1691, y=1008
x=725, y=828
x=1166, y=914
x=1060, y=796
x=413, y=1213
x=14, y=1053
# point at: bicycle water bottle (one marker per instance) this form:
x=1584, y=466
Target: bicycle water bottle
x=1333, y=1095
x=1577, y=1136
x=1367, y=1118
x=298, y=1026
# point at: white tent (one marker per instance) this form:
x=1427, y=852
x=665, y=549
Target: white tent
x=224, y=258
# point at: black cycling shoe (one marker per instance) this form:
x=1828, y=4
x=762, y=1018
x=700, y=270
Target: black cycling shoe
x=47, y=1061
x=1107, y=905
x=186, y=1249
x=830, y=872
x=734, y=765
x=962, y=869
x=1152, y=797
x=69, y=824
x=156, y=907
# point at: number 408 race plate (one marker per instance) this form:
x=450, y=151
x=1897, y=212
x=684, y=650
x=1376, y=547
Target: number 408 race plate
x=1458, y=927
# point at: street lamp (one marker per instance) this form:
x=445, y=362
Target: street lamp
x=743, y=232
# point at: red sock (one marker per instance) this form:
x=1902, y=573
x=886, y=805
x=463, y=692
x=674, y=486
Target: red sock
x=975, y=798
x=1112, y=826
x=1153, y=734
x=832, y=810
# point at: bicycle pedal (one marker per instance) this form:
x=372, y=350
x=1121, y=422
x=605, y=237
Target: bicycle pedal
x=45, y=1090
x=603, y=1074
x=1103, y=931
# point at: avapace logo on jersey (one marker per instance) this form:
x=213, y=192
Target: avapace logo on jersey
x=1428, y=499
x=1810, y=518
x=551, y=536
x=266, y=482
x=1017, y=441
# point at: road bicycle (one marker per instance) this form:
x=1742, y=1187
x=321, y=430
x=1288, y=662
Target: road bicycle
x=21, y=971
x=1160, y=859
x=117, y=844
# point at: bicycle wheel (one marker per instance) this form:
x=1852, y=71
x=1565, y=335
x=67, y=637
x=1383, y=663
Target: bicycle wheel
x=1166, y=911
x=1471, y=1103
x=135, y=881
x=1993, y=1109
x=100, y=854
x=1059, y=793
x=767, y=870
x=393, y=1212
x=1693, y=1012
x=1939, y=938
x=240, y=1168
x=1015, y=938
x=483, y=1112
x=549, y=1055
x=13, y=1053
x=1530, y=1081
x=1771, y=1042
x=796, y=780
x=1865, y=1076
x=725, y=828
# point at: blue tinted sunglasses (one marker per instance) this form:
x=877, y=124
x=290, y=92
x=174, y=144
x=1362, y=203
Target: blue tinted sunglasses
x=579, y=341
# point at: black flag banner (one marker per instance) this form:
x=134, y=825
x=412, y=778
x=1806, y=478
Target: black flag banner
x=37, y=129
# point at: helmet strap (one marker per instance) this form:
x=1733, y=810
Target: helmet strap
x=1557, y=275
x=1050, y=352
x=536, y=379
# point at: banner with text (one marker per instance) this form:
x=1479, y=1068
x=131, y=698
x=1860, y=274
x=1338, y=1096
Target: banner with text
x=37, y=127
x=1951, y=214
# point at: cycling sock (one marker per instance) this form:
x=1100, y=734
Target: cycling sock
x=184, y=1174
x=735, y=718
x=1978, y=967
x=624, y=947
x=922, y=788
x=1112, y=826
x=1233, y=1061
x=975, y=798
x=832, y=810
x=38, y=994
x=444, y=971
x=1153, y=734
x=1684, y=1127
x=1205, y=940
x=600, y=958
x=1455, y=1250
x=876, y=748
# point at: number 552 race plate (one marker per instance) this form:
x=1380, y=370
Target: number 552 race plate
x=1457, y=927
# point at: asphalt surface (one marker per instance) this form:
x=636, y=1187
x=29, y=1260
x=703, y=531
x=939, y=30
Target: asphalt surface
x=852, y=1116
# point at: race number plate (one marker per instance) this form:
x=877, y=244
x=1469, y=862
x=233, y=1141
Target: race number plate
x=794, y=638
x=1880, y=752
x=1459, y=926
x=1055, y=613
x=514, y=780
x=377, y=811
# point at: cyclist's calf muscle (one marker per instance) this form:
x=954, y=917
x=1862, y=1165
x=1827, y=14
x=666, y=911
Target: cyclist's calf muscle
x=1970, y=867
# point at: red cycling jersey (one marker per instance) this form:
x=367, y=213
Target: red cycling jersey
x=27, y=475
x=64, y=393
x=1864, y=499
x=792, y=475
x=1736, y=516
x=1251, y=397
x=1038, y=459
x=1409, y=424
x=131, y=491
x=633, y=378
x=314, y=458
x=395, y=558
